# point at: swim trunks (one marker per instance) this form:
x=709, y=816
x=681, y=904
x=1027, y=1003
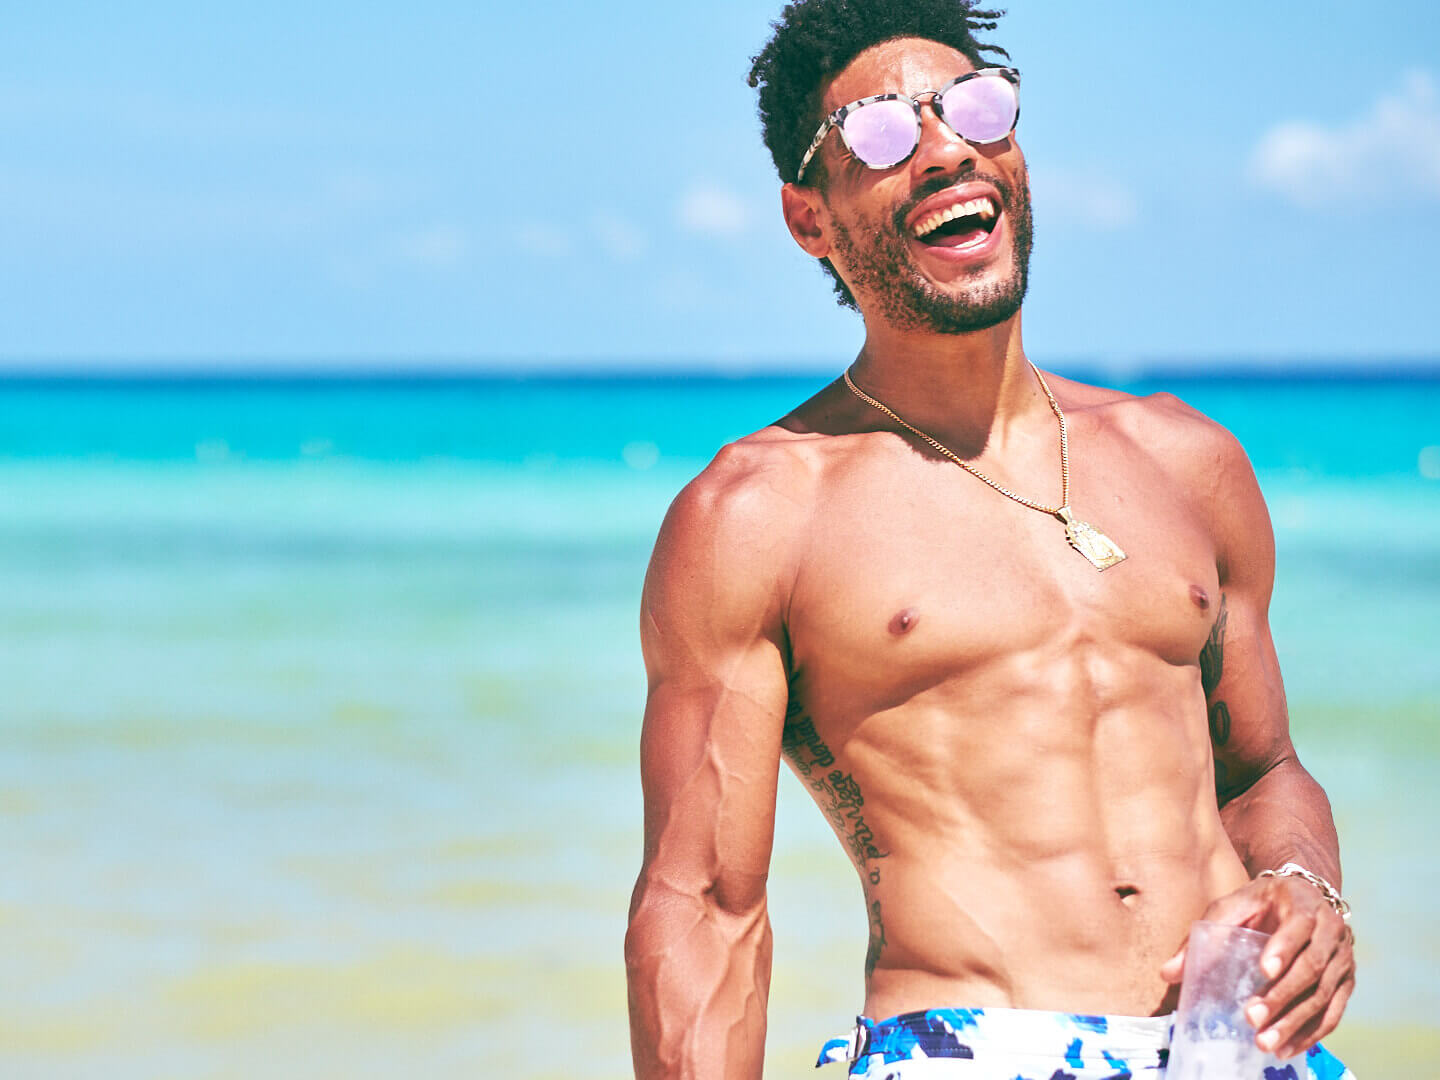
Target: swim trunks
x=1025, y=1044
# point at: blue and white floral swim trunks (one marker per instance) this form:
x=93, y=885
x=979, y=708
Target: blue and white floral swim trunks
x=1025, y=1044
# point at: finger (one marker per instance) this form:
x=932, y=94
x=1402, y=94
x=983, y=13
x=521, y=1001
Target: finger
x=1304, y=1013
x=1298, y=927
x=1233, y=909
x=1237, y=908
x=1322, y=1024
x=1320, y=944
x=1290, y=939
x=1297, y=998
x=1299, y=981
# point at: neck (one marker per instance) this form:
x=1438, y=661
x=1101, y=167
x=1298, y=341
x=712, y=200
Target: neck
x=966, y=390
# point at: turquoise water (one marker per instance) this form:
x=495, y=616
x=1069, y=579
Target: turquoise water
x=320, y=705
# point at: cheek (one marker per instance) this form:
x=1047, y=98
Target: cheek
x=1009, y=149
x=1005, y=160
x=872, y=205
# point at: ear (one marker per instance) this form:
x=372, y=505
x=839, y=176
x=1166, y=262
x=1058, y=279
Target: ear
x=805, y=217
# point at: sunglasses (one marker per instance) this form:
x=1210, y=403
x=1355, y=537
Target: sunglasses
x=882, y=131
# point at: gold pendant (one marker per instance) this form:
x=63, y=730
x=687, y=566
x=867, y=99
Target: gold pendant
x=1099, y=549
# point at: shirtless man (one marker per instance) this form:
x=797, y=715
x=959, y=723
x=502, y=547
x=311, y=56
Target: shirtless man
x=1045, y=759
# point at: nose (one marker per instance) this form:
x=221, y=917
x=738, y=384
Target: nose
x=940, y=148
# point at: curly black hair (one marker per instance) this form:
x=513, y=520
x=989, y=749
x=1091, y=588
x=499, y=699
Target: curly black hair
x=814, y=40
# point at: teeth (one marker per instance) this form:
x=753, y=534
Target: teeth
x=982, y=208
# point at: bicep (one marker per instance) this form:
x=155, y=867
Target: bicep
x=710, y=745
x=710, y=754
x=1245, y=696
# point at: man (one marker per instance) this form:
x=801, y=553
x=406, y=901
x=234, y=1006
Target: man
x=1009, y=630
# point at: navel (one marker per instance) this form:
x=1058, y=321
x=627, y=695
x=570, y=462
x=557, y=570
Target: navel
x=1127, y=893
x=1200, y=597
x=904, y=622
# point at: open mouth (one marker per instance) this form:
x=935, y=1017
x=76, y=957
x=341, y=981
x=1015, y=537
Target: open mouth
x=964, y=225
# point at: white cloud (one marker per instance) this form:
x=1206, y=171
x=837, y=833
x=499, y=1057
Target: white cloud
x=1394, y=149
x=618, y=237
x=440, y=246
x=713, y=210
x=546, y=241
x=613, y=235
x=1087, y=199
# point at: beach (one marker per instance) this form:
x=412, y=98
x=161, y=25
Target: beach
x=321, y=705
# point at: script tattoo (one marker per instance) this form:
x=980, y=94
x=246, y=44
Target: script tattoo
x=1212, y=666
x=804, y=747
x=839, y=797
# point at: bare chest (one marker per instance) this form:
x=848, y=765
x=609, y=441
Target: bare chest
x=923, y=575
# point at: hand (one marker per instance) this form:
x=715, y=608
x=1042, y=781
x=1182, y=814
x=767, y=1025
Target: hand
x=1310, y=959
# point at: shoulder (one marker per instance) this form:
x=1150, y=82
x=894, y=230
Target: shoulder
x=1180, y=438
x=1199, y=455
x=1183, y=436
x=726, y=550
x=756, y=485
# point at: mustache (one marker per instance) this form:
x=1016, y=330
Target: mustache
x=1005, y=189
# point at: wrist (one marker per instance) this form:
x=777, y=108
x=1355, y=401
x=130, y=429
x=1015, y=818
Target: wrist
x=1331, y=894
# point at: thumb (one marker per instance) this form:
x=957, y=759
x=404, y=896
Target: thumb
x=1239, y=908
x=1174, y=968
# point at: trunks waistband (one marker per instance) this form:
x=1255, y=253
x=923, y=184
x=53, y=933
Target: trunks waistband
x=1019, y=1042
x=1081, y=1040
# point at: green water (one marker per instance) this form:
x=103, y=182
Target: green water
x=319, y=745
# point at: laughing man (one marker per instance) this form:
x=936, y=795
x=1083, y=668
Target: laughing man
x=1009, y=630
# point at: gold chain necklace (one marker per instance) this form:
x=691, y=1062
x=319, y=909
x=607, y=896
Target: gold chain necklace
x=1099, y=549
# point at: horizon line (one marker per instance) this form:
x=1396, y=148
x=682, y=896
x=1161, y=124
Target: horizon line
x=339, y=368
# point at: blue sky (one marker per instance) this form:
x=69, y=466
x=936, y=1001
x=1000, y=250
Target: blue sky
x=583, y=185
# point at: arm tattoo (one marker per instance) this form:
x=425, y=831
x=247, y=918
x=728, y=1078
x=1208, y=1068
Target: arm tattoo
x=1212, y=666
x=838, y=795
x=877, y=939
x=1219, y=723
x=1212, y=656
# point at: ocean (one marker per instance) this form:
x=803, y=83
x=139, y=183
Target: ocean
x=320, y=699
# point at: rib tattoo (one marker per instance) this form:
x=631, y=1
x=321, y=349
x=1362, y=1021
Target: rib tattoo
x=839, y=797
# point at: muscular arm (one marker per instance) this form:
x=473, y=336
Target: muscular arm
x=1272, y=809
x=698, y=948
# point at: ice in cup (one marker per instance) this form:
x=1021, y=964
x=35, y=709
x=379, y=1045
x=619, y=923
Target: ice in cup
x=1213, y=1040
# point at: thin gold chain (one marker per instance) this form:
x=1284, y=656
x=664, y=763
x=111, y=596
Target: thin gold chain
x=942, y=448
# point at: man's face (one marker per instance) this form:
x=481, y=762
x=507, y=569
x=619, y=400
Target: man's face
x=970, y=273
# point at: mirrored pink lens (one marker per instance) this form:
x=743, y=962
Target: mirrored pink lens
x=881, y=133
x=981, y=110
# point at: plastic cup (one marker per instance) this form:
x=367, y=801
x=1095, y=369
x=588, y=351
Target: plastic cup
x=1213, y=1040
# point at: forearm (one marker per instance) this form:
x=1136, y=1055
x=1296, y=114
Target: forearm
x=1283, y=817
x=699, y=979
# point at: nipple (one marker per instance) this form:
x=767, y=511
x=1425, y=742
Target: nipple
x=904, y=622
x=1200, y=597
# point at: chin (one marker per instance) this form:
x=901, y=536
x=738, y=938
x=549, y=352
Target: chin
x=969, y=303
x=931, y=288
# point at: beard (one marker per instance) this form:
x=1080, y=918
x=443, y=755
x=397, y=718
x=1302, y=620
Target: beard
x=885, y=274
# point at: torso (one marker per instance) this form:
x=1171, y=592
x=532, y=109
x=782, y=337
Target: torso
x=1011, y=745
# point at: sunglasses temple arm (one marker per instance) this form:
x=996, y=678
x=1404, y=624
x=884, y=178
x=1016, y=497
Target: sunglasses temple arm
x=814, y=146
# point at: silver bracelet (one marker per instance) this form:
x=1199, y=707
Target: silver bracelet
x=1331, y=894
